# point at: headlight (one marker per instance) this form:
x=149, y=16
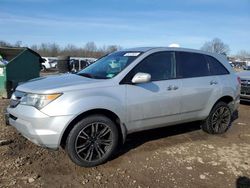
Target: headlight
x=38, y=100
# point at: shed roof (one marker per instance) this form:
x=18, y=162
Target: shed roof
x=10, y=53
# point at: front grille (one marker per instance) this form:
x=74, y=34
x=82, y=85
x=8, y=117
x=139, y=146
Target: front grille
x=245, y=90
x=15, y=98
x=245, y=83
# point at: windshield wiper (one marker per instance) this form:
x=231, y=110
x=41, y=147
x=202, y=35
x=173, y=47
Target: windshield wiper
x=91, y=76
x=86, y=75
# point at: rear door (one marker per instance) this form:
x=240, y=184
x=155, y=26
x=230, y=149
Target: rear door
x=218, y=70
x=157, y=102
x=198, y=86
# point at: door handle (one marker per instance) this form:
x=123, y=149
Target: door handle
x=213, y=82
x=172, y=87
x=175, y=87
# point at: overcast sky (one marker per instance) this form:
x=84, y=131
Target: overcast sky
x=128, y=23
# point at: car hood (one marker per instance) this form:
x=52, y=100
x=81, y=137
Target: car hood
x=244, y=75
x=60, y=83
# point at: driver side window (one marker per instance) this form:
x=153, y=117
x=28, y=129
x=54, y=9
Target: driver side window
x=160, y=65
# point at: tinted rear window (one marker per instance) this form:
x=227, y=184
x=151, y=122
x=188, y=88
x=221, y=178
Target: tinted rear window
x=216, y=68
x=191, y=65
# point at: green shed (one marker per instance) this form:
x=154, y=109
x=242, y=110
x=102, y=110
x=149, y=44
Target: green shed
x=22, y=65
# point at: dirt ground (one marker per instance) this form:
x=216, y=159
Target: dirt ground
x=177, y=156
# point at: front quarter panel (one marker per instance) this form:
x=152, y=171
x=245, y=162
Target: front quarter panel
x=77, y=102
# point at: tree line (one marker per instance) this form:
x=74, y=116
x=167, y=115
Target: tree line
x=90, y=49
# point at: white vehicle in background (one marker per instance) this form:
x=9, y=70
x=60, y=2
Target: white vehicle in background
x=45, y=64
x=53, y=63
x=77, y=63
x=48, y=63
x=247, y=66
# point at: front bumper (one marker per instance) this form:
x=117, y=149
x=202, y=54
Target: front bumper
x=38, y=127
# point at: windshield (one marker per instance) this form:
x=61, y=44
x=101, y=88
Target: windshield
x=110, y=65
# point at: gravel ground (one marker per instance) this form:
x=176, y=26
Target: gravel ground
x=177, y=156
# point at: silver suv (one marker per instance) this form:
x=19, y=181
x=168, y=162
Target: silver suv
x=91, y=112
x=245, y=85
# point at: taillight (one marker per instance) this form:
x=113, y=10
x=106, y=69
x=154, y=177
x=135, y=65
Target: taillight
x=238, y=78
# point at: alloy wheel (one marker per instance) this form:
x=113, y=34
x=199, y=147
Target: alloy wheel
x=221, y=119
x=93, y=141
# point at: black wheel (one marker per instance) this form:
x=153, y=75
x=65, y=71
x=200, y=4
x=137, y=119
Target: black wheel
x=43, y=68
x=219, y=119
x=92, y=141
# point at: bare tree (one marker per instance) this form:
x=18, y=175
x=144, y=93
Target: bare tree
x=243, y=54
x=52, y=49
x=71, y=50
x=90, y=49
x=7, y=44
x=113, y=48
x=4, y=44
x=216, y=46
x=90, y=46
x=47, y=49
x=18, y=44
x=34, y=47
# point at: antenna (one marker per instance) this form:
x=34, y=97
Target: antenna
x=174, y=45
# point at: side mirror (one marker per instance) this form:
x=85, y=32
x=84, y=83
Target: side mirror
x=141, y=78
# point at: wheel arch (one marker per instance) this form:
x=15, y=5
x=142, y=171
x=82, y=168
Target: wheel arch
x=207, y=124
x=226, y=99
x=113, y=116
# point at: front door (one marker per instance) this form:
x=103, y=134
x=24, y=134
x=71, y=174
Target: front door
x=156, y=103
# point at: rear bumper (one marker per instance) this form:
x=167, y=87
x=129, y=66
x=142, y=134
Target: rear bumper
x=38, y=127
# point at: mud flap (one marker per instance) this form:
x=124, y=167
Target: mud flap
x=235, y=115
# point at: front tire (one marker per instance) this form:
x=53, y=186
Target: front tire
x=92, y=141
x=44, y=68
x=219, y=119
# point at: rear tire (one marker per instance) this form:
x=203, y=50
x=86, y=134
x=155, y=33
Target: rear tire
x=92, y=141
x=219, y=119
